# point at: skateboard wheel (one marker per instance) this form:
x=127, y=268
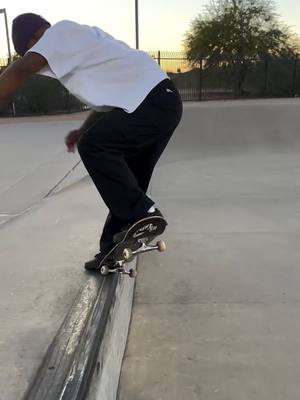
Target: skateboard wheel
x=132, y=273
x=127, y=254
x=161, y=246
x=104, y=270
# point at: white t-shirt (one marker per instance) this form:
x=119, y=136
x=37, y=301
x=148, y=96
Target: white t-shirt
x=96, y=68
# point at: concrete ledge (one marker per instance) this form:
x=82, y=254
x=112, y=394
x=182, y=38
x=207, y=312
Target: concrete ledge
x=84, y=360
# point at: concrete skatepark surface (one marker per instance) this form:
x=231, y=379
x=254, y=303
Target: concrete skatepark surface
x=216, y=316
x=33, y=158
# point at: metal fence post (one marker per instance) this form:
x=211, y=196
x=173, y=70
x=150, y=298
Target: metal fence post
x=159, y=58
x=200, y=79
x=266, y=76
x=295, y=76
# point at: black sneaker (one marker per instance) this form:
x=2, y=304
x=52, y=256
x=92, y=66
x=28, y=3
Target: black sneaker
x=95, y=262
x=118, y=237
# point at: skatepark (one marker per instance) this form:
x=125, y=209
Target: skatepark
x=214, y=317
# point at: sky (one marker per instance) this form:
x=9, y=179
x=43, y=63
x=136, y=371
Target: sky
x=163, y=23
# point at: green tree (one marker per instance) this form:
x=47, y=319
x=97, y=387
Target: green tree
x=238, y=34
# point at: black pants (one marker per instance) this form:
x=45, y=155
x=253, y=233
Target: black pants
x=122, y=149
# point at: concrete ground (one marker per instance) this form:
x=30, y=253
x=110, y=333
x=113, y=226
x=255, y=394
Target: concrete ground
x=42, y=251
x=33, y=159
x=217, y=316
x=42, y=254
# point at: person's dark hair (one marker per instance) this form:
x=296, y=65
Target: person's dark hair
x=23, y=28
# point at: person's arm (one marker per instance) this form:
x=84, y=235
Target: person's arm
x=17, y=73
x=73, y=137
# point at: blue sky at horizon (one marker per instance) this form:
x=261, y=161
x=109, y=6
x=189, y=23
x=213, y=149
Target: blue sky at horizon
x=162, y=23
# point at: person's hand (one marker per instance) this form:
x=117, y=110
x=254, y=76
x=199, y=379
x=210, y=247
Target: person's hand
x=71, y=140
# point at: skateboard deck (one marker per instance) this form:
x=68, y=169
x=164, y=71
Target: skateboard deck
x=135, y=241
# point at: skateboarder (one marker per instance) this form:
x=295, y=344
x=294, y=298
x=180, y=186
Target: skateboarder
x=136, y=109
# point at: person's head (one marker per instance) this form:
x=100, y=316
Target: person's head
x=27, y=29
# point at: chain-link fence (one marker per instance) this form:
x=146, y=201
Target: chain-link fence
x=196, y=80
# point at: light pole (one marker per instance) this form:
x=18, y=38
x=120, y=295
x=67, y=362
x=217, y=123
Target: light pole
x=3, y=11
x=137, y=45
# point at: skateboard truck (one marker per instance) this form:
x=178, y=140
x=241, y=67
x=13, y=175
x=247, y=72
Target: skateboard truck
x=128, y=255
x=118, y=268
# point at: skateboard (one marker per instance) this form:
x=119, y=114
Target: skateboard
x=136, y=241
